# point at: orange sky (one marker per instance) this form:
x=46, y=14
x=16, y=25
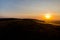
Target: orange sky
x=30, y=8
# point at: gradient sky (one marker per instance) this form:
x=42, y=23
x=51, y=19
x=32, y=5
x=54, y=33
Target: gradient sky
x=29, y=8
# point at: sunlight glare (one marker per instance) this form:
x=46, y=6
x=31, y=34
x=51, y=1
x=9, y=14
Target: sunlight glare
x=47, y=16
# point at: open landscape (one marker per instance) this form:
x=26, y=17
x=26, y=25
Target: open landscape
x=29, y=28
x=29, y=19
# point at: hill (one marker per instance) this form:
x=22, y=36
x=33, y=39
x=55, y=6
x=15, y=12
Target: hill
x=29, y=28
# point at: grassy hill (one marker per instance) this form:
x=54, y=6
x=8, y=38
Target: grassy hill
x=29, y=28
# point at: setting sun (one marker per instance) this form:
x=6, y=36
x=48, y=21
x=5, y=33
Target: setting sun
x=47, y=16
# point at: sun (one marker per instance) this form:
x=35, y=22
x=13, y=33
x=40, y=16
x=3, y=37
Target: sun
x=47, y=16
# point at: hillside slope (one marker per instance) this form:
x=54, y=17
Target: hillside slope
x=29, y=28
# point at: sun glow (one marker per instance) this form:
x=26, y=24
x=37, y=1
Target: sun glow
x=47, y=16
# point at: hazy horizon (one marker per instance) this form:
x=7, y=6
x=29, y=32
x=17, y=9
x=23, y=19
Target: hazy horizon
x=29, y=8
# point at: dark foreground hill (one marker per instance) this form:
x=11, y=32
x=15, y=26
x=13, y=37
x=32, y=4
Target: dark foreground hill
x=11, y=28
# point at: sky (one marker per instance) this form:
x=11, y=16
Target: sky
x=29, y=8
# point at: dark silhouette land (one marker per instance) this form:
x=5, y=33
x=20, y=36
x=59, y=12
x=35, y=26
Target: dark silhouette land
x=13, y=28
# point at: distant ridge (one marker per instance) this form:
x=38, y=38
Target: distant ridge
x=4, y=19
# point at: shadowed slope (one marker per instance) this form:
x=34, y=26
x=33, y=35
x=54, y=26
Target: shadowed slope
x=30, y=28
